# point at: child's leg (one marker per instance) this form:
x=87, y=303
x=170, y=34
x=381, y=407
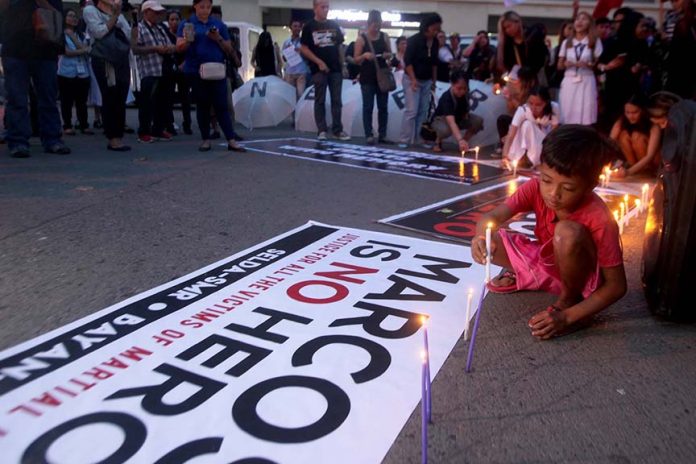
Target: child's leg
x=576, y=259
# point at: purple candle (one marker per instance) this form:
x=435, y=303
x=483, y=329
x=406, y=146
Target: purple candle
x=424, y=413
x=428, y=383
x=470, y=355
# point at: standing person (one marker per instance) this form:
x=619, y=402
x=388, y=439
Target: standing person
x=73, y=76
x=444, y=56
x=266, y=57
x=420, y=76
x=452, y=114
x=175, y=80
x=531, y=123
x=321, y=45
x=150, y=44
x=397, y=61
x=295, y=72
x=113, y=77
x=680, y=65
x=28, y=58
x=94, y=98
x=481, y=55
x=555, y=74
x=578, y=57
x=514, y=49
x=373, y=49
x=206, y=41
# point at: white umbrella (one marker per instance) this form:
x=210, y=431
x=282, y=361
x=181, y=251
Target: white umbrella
x=263, y=102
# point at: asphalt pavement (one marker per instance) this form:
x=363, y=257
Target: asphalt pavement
x=81, y=232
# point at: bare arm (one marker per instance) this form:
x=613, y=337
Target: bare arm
x=615, y=130
x=512, y=133
x=546, y=324
x=470, y=49
x=358, y=56
x=500, y=215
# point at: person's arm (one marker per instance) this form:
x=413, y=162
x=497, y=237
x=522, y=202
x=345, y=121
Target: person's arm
x=358, y=56
x=96, y=25
x=309, y=54
x=470, y=49
x=500, y=215
x=140, y=49
x=546, y=324
x=512, y=133
x=615, y=130
x=279, y=59
x=456, y=132
x=653, y=148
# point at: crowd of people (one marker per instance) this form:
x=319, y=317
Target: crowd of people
x=618, y=75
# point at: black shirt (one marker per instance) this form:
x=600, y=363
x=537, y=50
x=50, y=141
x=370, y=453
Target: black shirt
x=18, y=39
x=530, y=55
x=451, y=106
x=422, y=59
x=323, y=39
x=368, y=72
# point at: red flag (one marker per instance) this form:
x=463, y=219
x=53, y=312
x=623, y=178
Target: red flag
x=603, y=7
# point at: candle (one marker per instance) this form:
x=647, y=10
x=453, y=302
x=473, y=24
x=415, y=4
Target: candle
x=626, y=211
x=476, y=150
x=461, y=166
x=424, y=414
x=488, y=251
x=645, y=192
x=638, y=206
x=426, y=351
x=506, y=78
x=469, y=297
x=619, y=222
x=472, y=343
x=602, y=180
x=514, y=168
x=607, y=172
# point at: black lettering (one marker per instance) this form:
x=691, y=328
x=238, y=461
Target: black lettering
x=152, y=395
x=437, y=271
x=372, y=323
x=247, y=418
x=255, y=353
x=190, y=450
x=362, y=252
x=261, y=330
x=134, y=434
x=380, y=359
x=396, y=292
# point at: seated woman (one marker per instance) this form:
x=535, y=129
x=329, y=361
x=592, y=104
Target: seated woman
x=638, y=138
x=531, y=123
x=515, y=92
x=452, y=114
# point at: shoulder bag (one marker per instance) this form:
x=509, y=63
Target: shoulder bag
x=47, y=23
x=385, y=78
x=113, y=48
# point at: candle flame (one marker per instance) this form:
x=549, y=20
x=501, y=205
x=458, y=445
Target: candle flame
x=489, y=225
x=637, y=203
x=424, y=356
x=626, y=198
x=424, y=320
x=616, y=216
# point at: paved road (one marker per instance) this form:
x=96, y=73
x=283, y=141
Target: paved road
x=81, y=232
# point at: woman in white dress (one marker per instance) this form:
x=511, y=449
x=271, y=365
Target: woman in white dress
x=578, y=57
x=531, y=123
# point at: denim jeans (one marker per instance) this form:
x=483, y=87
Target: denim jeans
x=416, y=108
x=213, y=94
x=334, y=81
x=369, y=92
x=43, y=73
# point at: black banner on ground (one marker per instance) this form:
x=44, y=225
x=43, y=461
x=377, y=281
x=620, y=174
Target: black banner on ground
x=428, y=165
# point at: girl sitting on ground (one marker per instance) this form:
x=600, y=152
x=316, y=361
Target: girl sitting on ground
x=531, y=123
x=638, y=138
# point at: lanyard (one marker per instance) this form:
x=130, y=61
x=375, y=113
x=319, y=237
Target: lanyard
x=579, y=48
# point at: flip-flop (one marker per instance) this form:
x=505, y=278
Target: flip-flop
x=512, y=288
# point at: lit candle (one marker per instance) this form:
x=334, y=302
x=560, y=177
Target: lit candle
x=619, y=222
x=602, y=180
x=625, y=203
x=424, y=413
x=645, y=191
x=506, y=78
x=638, y=206
x=469, y=297
x=488, y=251
x=476, y=150
x=426, y=350
x=514, y=168
x=607, y=172
x=496, y=91
x=461, y=166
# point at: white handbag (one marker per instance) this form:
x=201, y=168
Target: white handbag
x=212, y=71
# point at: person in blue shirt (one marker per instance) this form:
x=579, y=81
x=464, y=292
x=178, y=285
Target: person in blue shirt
x=204, y=40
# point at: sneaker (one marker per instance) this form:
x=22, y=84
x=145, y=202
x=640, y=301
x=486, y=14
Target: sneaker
x=342, y=136
x=371, y=140
x=163, y=136
x=58, y=149
x=145, y=138
x=69, y=131
x=322, y=136
x=20, y=152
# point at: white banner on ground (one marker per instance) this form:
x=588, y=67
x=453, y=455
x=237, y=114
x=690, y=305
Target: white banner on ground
x=305, y=348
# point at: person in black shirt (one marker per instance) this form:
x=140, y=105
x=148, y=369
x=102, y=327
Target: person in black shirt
x=370, y=55
x=452, y=114
x=321, y=42
x=28, y=58
x=480, y=54
x=515, y=50
x=419, y=79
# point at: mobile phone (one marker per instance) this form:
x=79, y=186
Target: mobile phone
x=213, y=29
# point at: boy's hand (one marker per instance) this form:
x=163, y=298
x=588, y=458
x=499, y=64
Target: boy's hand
x=478, y=249
x=548, y=323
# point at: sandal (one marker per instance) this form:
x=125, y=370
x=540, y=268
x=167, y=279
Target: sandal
x=504, y=274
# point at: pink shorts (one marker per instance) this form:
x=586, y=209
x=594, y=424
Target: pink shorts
x=535, y=267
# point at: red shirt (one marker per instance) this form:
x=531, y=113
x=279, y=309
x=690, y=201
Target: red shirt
x=592, y=213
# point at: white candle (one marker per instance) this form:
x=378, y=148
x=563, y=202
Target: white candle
x=644, y=192
x=469, y=297
x=608, y=176
x=626, y=208
x=476, y=150
x=602, y=180
x=514, y=168
x=619, y=222
x=488, y=251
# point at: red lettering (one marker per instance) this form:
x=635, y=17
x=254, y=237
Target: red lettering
x=135, y=352
x=47, y=399
x=98, y=373
x=342, y=275
x=294, y=292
